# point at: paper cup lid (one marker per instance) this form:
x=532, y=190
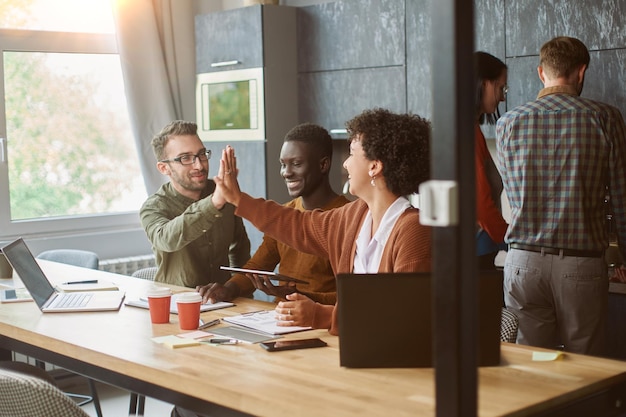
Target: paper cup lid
x=158, y=292
x=189, y=297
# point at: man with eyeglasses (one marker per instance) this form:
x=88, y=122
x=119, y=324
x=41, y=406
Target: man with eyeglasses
x=192, y=235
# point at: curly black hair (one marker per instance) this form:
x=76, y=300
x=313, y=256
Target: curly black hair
x=400, y=141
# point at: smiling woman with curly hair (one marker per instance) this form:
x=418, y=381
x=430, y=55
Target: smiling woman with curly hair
x=378, y=232
x=394, y=140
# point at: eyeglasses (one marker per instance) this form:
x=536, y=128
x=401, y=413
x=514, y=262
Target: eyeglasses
x=190, y=159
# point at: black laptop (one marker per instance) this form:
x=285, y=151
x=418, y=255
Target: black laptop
x=385, y=320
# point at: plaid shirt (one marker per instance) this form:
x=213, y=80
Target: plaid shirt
x=556, y=155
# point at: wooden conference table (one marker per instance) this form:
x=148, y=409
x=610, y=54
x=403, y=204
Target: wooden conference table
x=244, y=379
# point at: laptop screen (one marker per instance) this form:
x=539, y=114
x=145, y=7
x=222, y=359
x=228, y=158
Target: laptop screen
x=24, y=263
x=385, y=319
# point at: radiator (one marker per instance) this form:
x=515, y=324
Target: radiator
x=127, y=265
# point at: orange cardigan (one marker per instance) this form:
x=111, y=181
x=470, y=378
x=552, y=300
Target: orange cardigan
x=489, y=216
x=333, y=234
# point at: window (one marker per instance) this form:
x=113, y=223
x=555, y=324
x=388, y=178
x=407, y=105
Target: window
x=67, y=154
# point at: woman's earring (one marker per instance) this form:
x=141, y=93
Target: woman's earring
x=372, y=181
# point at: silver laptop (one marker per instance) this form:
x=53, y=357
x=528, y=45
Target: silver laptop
x=43, y=292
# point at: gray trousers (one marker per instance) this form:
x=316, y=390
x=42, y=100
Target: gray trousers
x=558, y=300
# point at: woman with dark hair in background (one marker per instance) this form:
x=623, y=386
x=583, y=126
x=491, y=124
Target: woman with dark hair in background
x=491, y=89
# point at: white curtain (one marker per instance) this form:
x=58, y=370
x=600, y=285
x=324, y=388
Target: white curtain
x=156, y=44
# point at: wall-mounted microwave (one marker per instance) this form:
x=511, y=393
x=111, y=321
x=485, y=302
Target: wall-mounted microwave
x=230, y=105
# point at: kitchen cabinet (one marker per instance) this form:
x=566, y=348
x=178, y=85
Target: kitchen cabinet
x=233, y=36
x=351, y=57
x=258, y=36
x=351, y=34
x=347, y=51
x=330, y=98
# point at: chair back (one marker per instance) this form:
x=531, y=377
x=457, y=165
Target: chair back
x=75, y=257
x=508, y=326
x=146, y=273
x=23, y=395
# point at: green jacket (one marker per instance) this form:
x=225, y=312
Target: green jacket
x=192, y=239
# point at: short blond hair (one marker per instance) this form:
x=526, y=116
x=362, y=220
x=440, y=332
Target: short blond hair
x=561, y=56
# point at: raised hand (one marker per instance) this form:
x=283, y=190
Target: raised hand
x=226, y=179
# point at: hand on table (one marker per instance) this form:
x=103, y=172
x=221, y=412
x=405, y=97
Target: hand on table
x=298, y=310
x=214, y=293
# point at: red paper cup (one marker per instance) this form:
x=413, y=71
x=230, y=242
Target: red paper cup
x=159, y=299
x=188, y=305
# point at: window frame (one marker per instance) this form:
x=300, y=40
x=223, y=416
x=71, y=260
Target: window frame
x=20, y=40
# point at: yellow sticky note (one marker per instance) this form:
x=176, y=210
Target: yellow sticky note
x=197, y=334
x=547, y=356
x=174, y=342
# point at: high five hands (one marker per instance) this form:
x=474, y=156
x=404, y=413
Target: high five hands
x=227, y=187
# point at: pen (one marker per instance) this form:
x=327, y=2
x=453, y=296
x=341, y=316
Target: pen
x=209, y=324
x=251, y=313
x=89, y=281
x=221, y=341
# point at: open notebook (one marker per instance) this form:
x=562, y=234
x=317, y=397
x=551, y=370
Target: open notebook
x=48, y=299
x=264, y=321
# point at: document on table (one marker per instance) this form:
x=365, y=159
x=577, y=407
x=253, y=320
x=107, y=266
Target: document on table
x=143, y=303
x=244, y=334
x=264, y=321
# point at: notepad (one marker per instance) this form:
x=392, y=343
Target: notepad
x=263, y=321
x=175, y=342
x=96, y=286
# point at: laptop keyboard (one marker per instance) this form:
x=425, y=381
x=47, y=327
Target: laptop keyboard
x=70, y=300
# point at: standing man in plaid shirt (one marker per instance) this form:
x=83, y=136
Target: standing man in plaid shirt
x=557, y=155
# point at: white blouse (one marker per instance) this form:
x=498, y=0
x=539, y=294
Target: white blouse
x=369, y=250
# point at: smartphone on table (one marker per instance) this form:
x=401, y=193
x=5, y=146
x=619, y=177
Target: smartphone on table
x=293, y=344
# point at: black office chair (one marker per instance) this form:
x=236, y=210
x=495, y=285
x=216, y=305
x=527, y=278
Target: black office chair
x=85, y=259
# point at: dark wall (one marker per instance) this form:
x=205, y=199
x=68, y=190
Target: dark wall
x=513, y=30
x=358, y=54
x=600, y=24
